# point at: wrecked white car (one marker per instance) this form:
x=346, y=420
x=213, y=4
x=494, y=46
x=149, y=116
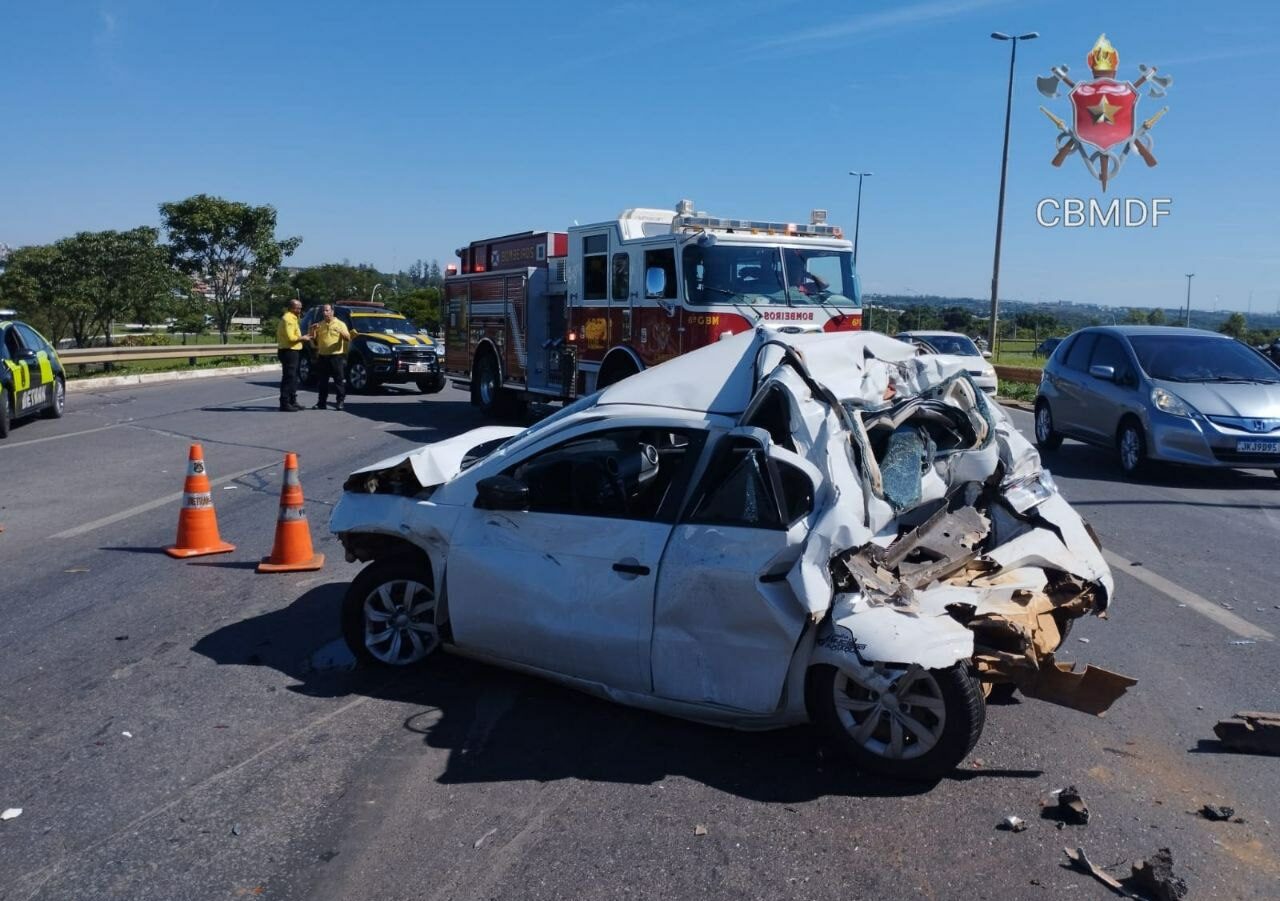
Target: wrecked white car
x=771, y=530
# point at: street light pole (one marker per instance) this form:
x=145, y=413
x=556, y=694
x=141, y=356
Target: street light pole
x=1004, y=169
x=857, y=222
x=374, y=292
x=1190, y=276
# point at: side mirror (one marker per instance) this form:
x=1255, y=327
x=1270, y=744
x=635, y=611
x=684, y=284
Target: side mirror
x=1106, y=373
x=986, y=355
x=655, y=281
x=502, y=493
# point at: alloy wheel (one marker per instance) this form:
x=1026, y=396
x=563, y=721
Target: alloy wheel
x=899, y=716
x=399, y=627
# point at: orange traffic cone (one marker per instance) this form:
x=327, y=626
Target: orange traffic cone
x=292, y=549
x=197, y=523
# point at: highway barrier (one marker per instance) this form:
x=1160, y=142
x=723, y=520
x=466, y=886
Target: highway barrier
x=192, y=352
x=1024, y=374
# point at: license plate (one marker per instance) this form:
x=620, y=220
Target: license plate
x=419, y=367
x=1245, y=446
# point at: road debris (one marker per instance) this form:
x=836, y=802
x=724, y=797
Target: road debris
x=480, y=841
x=1013, y=824
x=1250, y=732
x=1071, y=807
x=11, y=813
x=699, y=829
x=1216, y=813
x=1242, y=641
x=127, y=734
x=1154, y=876
x=1081, y=862
x=235, y=828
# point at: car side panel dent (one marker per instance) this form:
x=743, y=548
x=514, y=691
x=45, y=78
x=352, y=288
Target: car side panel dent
x=886, y=634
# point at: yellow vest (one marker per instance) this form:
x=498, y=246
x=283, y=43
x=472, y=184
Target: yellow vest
x=288, y=334
x=331, y=338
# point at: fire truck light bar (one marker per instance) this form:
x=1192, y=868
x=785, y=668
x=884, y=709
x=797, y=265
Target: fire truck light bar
x=756, y=227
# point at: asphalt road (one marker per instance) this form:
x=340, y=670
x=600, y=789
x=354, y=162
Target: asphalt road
x=189, y=729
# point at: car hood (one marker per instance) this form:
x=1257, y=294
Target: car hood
x=398, y=338
x=434, y=464
x=1223, y=399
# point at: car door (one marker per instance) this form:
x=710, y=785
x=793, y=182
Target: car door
x=1069, y=379
x=25, y=372
x=726, y=621
x=1106, y=400
x=567, y=584
x=40, y=359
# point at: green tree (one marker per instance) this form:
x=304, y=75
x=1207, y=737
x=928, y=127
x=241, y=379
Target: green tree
x=34, y=282
x=1156, y=317
x=1136, y=316
x=335, y=282
x=1235, y=326
x=422, y=305
x=224, y=244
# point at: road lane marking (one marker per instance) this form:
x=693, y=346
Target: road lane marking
x=101, y=428
x=151, y=505
x=1203, y=606
x=50, y=870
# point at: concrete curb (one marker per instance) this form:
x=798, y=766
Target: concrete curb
x=177, y=375
x=1015, y=404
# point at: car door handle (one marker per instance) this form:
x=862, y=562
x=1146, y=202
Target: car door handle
x=630, y=568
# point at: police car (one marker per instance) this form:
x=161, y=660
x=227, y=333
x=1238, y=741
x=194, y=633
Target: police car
x=386, y=348
x=31, y=377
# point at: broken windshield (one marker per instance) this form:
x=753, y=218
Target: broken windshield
x=727, y=273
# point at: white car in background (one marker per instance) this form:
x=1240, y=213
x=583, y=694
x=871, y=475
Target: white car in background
x=954, y=344
x=770, y=530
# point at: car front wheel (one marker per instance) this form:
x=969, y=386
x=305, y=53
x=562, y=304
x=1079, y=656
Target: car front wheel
x=358, y=378
x=306, y=372
x=388, y=614
x=432, y=385
x=905, y=722
x=1046, y=437
x=1131, y=448
x=4, y=413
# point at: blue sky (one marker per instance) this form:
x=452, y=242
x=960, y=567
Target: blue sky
x=389, y=131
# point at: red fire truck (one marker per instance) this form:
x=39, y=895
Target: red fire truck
x=551, y=315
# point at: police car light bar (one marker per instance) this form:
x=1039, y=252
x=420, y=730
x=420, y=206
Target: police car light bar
x=816, y=230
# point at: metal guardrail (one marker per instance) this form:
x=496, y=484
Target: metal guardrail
x=1019, y=374
x=163, y=352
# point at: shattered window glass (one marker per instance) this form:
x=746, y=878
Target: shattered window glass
x=737, y=491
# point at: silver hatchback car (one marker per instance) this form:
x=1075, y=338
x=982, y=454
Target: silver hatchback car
x=1173, y=395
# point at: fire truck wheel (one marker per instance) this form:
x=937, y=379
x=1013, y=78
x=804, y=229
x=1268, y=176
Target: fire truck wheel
x=487, y=392
x=615, y=370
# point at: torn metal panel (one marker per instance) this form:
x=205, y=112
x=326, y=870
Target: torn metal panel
x=1252, y=732
x=1092, y=691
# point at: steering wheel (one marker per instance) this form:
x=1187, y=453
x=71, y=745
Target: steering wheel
x=597, y=489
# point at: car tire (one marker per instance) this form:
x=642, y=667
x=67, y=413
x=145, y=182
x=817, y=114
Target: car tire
x=4, y=413
x=615, y=372
x=59, y=405
x=1047, y=438
x=1131, y=450
x=388, y=613
x=950, y=713
x=431, y=386
x=359, y=379
x=306, y=371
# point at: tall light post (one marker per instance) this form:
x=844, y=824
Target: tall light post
x=374, y=293
x=1004, y=169
x=857, y=222
x=1190, y=276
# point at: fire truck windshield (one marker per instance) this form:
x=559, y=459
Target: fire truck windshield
x=786, y=276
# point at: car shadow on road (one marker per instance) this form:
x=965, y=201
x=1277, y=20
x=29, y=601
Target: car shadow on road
x=500, y=726
x=1084, y=461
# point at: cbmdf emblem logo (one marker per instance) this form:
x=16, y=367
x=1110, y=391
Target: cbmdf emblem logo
x=1103, y=126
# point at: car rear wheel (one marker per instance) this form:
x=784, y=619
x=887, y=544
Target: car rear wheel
x=59, y=405
x=388, y=614
x=1046, y=437
x=1131, y=448
x=908, y=723
x=432, y=385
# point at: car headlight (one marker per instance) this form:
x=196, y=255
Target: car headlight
x=377, y=347
x=1025, y=492
x=1168, y=402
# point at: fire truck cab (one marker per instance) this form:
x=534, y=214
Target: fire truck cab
x=558, y=314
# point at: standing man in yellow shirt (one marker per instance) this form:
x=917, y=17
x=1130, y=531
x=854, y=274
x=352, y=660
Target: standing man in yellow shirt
x=332, y=340
x=289, y=348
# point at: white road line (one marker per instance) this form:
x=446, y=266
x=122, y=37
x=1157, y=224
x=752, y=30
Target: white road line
x=101, y=428
x=1203, y=606
x=151, y=505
